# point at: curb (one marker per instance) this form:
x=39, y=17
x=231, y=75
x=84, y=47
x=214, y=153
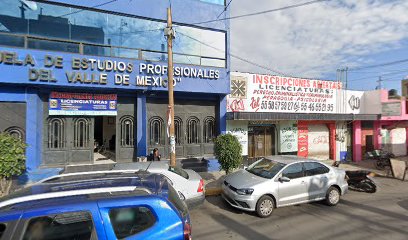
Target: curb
x=213, y=191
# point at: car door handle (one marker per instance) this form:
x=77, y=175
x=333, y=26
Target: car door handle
x=303, y=182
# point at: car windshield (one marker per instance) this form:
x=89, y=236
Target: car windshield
x=265, y=168
x=179, y=171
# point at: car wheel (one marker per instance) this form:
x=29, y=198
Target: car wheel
x=265, y=206
x=332, y=196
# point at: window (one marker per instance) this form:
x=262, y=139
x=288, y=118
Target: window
x=156, y=129
x=2, y=229
x=56, y=133
x=193, y=126
x=130, y=221
x=178, y=130
x=313, y=168
x=75, y=225
x=81, y=133
x=293, y=171
x=209, y=129
x=179, y=171
x=16, y=132
x=100, y=30
x=265, y=168
x=126, y=131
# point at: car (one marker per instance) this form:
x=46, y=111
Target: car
x=145, y=206
x=279, y=181
x=187, y=182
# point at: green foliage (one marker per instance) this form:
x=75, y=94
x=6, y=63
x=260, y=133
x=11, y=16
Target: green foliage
x=228, y=150
x=12, y=156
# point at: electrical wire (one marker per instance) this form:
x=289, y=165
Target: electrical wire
x=95, y=6
x=263, y=12
x=225, y=9
x=238, y=57
x=379, y=65
x=374, y=76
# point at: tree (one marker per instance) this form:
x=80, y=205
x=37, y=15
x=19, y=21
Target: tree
x=12, y=160
x=228, y=151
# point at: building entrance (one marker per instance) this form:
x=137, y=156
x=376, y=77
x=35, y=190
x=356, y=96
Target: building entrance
x=104, y=139
x=261, y=141
x=73, y=140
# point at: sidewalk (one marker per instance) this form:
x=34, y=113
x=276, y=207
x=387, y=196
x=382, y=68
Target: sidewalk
x=214, y=180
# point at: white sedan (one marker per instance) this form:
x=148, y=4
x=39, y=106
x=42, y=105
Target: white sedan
x=188, y=183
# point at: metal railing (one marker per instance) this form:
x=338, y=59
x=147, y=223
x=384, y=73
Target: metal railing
x=95, y=49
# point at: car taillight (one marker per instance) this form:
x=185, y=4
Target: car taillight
x=187, y=231
x=201, y=186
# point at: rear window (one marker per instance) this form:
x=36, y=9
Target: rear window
x=179, y=171
x=131, y=220
x=74, y=225
x=177, y=202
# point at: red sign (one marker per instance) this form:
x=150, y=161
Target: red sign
x=302, y=139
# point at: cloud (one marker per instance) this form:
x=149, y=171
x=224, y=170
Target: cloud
x=314, y=40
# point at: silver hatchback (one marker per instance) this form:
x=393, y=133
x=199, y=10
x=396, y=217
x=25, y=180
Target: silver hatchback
x=279, y=181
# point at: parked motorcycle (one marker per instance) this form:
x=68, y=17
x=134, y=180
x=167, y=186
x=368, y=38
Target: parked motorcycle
x=359, y=180
x=382, y=158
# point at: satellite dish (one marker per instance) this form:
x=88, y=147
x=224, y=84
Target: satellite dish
x=29, y=4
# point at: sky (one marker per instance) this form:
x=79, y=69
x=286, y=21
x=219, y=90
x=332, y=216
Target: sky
x=314, y=41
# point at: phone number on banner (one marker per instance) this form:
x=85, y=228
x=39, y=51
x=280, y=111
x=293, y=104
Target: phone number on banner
x=296, y=106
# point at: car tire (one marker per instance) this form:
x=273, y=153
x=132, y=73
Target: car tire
x=265, y=206
x=332, y=196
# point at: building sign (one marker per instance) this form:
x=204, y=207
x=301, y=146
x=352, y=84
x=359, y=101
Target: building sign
x=265, y=93
x=288, y=136
x=37, y=67
x=84, y=104
x=303, y=141
x=391, y=109
x=240, y=130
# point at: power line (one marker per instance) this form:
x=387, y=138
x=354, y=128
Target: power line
x=380, y=65
x=238, y=57
x=373, y=76
x=95, y=6
x=263, y=12
x=225, y=9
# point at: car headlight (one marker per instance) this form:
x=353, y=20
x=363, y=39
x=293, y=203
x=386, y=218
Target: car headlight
x=245, y=191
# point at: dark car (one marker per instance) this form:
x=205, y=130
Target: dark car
x=141, y=207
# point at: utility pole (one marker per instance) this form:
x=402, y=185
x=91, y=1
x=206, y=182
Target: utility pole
x=379, y=82
x=169, y=33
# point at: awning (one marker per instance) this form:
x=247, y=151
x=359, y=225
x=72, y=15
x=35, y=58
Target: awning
x=299, y=116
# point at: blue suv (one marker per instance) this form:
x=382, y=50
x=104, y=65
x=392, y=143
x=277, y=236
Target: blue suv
x=144, y=206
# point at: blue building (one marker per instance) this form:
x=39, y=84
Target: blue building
x=85, y=82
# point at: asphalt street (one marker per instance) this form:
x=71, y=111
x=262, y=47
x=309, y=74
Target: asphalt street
x=382, y=215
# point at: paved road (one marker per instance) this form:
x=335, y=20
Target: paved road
x=382, y=215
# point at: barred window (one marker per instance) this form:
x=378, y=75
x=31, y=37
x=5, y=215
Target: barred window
x=56, y=133
x=193, y=126
x=178, y=130
x=127, y=131
x=156, y=129
x=16, y=132
x=81, y=133
x=209, y=129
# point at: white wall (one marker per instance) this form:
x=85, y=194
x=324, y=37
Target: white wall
x=318, y=141
x=398, y=141
x=240, y=130
x=372, y=100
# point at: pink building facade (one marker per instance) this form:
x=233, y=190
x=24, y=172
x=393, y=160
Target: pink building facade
x=389, y=132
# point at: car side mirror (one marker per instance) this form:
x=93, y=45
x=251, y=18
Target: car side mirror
x=245, y=167
x=284, y=179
